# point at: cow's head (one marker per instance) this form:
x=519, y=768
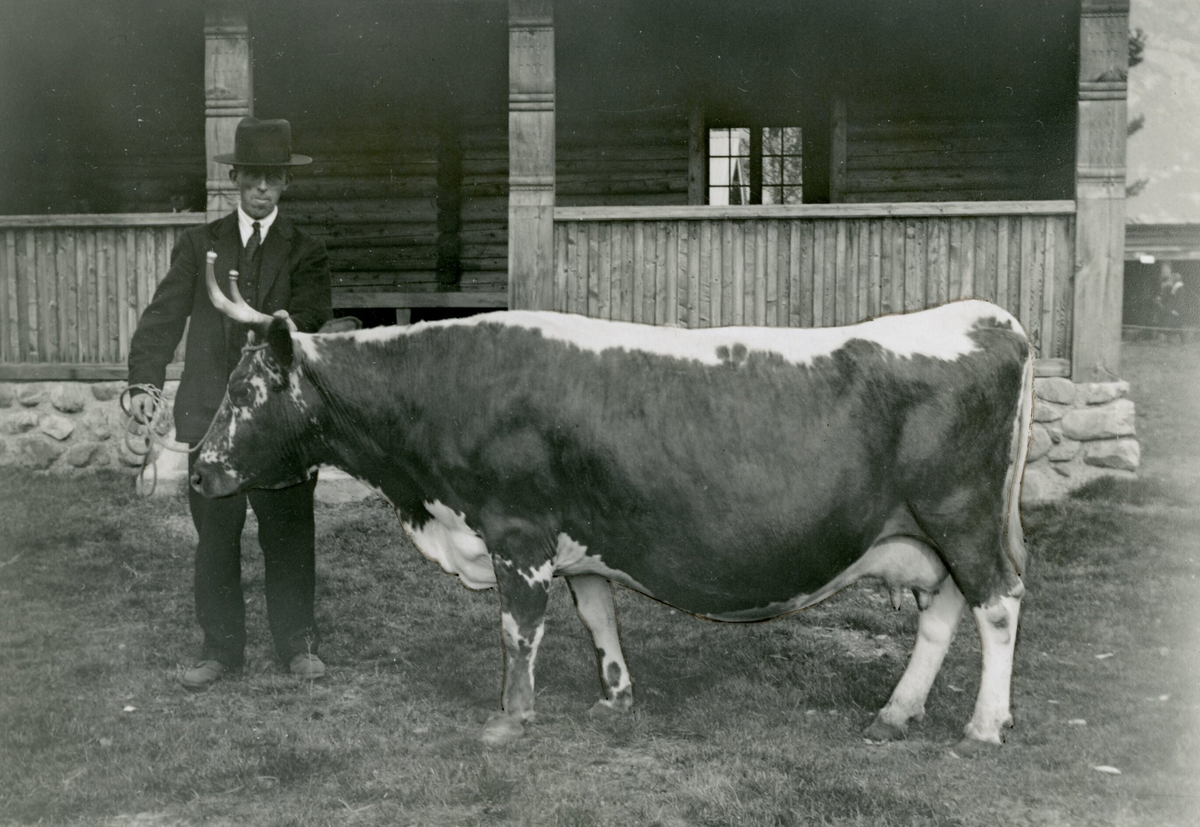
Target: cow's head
x=266, y=434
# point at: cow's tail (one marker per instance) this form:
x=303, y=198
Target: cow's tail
x=1023, y=429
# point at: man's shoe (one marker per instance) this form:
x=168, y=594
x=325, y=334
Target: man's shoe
x=307, y=667
x=203, y=675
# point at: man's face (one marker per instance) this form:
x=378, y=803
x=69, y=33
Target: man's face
x=260, y=188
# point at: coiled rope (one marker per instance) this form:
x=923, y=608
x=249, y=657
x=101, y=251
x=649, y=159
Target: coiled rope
x=141, y=437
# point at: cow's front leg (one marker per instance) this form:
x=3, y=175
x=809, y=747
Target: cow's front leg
x=594, y=602
x=524, y=588
x=935, y=632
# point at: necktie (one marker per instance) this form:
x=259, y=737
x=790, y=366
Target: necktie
x=249, y=279
x=254, y=241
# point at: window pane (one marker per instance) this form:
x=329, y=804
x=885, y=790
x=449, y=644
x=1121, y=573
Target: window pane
x=772, y=172
x=739, y=142
x=791, y=140
x=772, y=141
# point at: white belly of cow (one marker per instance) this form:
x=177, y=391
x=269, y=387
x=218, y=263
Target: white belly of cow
x=458, y=549
x=448, y=541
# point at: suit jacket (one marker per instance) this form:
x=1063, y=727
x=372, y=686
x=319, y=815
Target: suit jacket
x=293, y=276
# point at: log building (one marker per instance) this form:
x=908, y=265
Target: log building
x=807, y=163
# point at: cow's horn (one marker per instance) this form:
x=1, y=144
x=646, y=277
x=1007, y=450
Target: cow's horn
x=236, y=309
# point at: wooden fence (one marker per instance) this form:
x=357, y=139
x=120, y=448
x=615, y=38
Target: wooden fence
x=72, y=288
x=819, y=265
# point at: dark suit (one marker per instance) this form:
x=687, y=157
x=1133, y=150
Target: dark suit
x=293, y=275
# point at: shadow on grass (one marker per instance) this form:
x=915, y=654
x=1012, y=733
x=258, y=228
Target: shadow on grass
x=1141, y=491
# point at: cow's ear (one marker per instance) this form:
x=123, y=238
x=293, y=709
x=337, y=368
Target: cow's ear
x=279, y=341
x=344, y=324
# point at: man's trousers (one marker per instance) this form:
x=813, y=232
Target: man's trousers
x=286, y=533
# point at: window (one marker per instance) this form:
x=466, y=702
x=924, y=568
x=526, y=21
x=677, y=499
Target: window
x=759, y=165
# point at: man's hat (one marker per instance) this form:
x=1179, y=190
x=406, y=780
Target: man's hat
x=263, y=144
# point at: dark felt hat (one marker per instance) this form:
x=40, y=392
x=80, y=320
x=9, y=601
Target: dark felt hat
x=263, y=143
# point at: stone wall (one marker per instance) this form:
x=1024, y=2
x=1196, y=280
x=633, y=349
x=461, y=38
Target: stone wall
x=1080, y=432
x=71, y=427
x=66, y=426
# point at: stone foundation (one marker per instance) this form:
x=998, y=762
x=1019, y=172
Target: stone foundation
x=1080, y=432
x=74, y=427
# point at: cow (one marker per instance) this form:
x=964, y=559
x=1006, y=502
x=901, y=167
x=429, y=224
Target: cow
x=735, y=473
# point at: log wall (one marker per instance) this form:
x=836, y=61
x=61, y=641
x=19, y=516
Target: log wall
x=902, y=158
x=817, y=266
x=621, y=162
x=72, y=288
x=379, y=206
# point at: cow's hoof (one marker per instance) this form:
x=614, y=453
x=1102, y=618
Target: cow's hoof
x=879, y=732
x=501, y=730
x=605, y=708
x=971, y=747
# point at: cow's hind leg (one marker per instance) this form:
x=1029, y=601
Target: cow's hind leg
x=594, y=602
x=936, y=626
x=997, y=622
x=987, y=573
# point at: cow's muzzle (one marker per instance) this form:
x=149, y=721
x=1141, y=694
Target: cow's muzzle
x=210, y=483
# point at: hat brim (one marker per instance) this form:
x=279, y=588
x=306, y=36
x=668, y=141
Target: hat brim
x=294, y=161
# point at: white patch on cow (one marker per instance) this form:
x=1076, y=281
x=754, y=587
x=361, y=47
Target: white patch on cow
x=294, y=391
x=261, y=391
x=901, y=562
x=940, y=333
x=310, y=347
x=571, y=558
x=455, y=546
x=516, y=641
x=542, y=574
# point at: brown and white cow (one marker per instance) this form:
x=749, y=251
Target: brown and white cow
x=734, y=473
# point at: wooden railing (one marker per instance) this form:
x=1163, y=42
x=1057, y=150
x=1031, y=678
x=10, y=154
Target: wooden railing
x=72, y=288
x=818, y=265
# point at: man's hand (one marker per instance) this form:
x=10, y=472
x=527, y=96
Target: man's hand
x=142, y=408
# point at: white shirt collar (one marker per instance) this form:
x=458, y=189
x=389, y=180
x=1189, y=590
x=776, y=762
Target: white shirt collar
x=246, y=224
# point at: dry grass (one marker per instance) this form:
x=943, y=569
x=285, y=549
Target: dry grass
x=751, y=724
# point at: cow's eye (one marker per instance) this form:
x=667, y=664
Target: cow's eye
x=241, y=394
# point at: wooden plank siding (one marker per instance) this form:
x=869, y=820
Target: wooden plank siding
x=818, y=266
x=894, y=158
x=72, y=288
x=375, y=203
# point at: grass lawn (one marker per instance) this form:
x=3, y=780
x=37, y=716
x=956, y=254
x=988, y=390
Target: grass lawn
x=753, y=724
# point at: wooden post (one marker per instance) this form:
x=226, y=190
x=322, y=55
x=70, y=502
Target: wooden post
x=1100, y=190
x=837, y=152
x=531, y=154
x=697, y=156
x=756, y=165
x=228, y=93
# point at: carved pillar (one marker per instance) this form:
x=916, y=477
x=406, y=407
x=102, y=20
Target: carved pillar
x=837, y=151
x=228, y=93
x=1100, y=189
x=531, y=154
x=697, y=156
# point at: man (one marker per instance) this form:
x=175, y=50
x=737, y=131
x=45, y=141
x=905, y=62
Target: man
x=280, y=267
